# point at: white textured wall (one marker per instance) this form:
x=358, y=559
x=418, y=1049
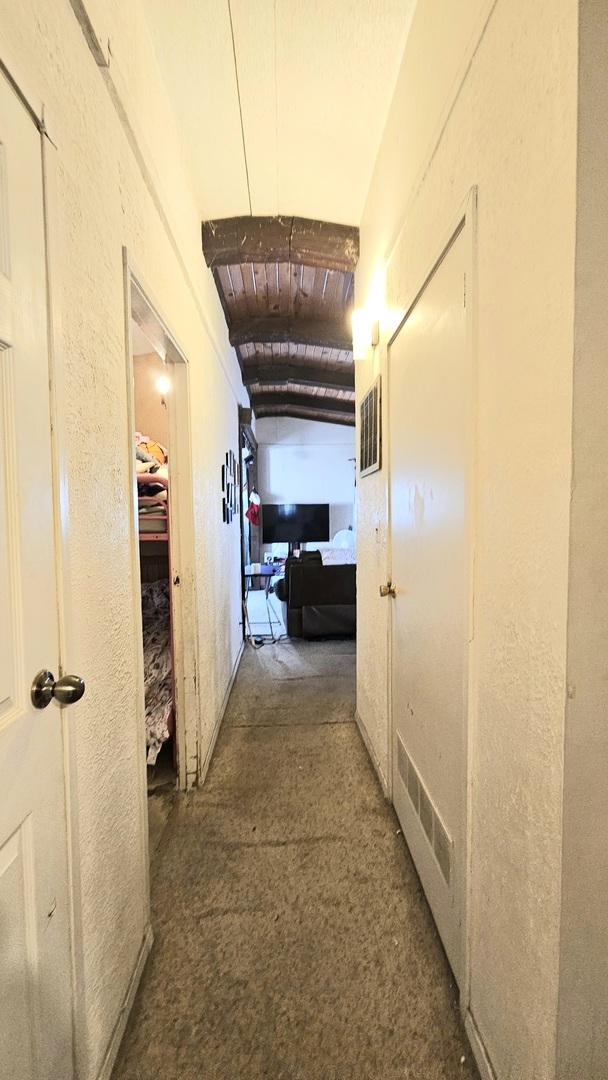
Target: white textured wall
x=307, y=461
x=583, y=1014
x=487, y=96
x=105, y=202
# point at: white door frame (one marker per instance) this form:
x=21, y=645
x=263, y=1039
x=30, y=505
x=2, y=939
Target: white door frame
x=61, y=519
x=140, y=308
x=464, y=223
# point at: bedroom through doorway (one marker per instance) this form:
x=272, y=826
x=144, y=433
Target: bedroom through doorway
x=163, y=556
x=152, y=386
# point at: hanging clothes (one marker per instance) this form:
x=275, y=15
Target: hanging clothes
x=252, y=512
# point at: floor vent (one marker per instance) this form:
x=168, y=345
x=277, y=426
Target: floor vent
x=432, y=824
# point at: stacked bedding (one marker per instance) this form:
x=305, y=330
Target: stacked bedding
x=151, y=463
x=158, y=665
x=152, y=504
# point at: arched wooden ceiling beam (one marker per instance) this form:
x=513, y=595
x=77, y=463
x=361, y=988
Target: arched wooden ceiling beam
x=305, y=413
x=331, y=378
x=326, y=404
x=298, y=240
x=278, y=329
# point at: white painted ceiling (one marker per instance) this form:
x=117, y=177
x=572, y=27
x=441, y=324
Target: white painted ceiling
x=315, y=77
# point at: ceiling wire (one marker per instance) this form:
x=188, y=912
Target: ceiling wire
x=238, y=94
x=276, y=110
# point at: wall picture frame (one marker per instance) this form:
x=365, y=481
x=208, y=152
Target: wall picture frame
x=230, y=487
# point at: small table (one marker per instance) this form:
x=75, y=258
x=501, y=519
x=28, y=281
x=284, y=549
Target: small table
x=266, y=572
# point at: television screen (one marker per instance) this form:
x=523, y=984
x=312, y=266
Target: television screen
x=295, y=523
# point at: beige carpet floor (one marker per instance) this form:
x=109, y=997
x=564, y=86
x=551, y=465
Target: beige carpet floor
x=292, y=937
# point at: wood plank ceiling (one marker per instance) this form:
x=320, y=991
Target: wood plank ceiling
x=286, y=286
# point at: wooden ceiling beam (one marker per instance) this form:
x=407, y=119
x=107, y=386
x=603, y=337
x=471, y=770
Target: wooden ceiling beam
x=322, y=243
x=310, y=401
x=306, y=241
x=277, y=329
x=286, y=371
x=302, y=412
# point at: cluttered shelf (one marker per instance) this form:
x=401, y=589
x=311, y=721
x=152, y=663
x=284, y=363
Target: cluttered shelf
x=153, y=506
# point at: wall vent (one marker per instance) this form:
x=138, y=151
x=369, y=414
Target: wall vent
x=435, y=830
x=370, y=431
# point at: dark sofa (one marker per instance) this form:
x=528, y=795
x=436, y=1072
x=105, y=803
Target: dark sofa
x=319, y=601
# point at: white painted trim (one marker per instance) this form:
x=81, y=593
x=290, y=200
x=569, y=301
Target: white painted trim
x=111, y=1054
x=471, y=226
x=482, y=1058
x=373, y=756
x=136, y=616
x=183, y=564
x=184, y=599
x=22, y=87
x=204, y=769
x=61, y=510
x=464, y=222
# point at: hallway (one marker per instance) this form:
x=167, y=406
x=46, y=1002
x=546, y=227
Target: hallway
x=292, y=938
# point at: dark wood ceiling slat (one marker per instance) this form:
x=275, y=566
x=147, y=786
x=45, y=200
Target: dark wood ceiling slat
x=284, y=288
x=238, y=304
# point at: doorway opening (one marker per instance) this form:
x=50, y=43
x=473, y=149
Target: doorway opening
x=300, y=582
x=163, y=550
x=152, y=386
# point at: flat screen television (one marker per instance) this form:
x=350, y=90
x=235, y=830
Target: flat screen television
x=295, y=523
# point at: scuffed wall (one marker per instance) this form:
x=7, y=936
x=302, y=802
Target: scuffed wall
x=487, y=96
x=120, y=182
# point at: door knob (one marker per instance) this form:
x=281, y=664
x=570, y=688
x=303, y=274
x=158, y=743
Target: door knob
x=388, y=589
x=66, y=690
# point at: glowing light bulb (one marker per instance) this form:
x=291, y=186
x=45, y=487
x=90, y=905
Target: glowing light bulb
x=163, y=384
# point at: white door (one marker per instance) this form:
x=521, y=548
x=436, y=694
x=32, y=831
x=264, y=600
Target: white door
x=430, y=387
x=35, y=974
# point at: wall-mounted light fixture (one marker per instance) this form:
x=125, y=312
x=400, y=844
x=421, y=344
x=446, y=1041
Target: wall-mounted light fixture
x=163, y=385
x=366, y=333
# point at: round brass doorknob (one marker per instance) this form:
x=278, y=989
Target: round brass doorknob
x=66, y=690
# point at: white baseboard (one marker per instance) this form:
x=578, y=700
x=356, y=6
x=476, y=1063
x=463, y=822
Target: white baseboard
x=119, y=1028
x=370, y=749
x=480, y=1053
x=218, y=723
